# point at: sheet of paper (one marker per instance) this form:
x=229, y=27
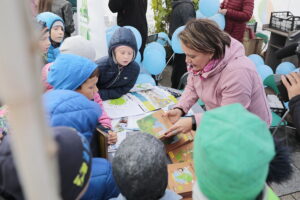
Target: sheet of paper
x=137, y=103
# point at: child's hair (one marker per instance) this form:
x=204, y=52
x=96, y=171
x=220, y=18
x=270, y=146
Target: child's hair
x=40, y=26
x=95, y=73
x=141, y=180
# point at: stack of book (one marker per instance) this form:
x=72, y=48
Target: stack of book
x=179, y=149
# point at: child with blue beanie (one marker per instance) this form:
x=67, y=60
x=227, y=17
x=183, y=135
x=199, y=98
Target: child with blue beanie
x=56, y=28
x=72, y=72
x=119, y=71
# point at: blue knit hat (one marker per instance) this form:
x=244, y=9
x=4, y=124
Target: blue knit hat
x=69, y=71
x=49, y=18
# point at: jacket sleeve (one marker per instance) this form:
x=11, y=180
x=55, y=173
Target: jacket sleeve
x=117, y=92
x=104, y=119
x=102, y=184
x=294, y=106
x=189, y=96
x=116, y=5
x=187, y=13
x=244, y=15
x=68, y=17
x=45, y=71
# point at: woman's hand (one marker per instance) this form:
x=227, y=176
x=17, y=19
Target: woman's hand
x=173, y=115
x=112, y=137
x=223, y=11
x=183, y=125
x=292, y=83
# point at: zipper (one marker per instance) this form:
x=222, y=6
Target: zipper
x=120, y=70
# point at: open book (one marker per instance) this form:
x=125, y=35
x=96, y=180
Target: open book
x=155, y=124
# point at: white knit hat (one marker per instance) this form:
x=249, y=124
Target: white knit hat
x=79, y=46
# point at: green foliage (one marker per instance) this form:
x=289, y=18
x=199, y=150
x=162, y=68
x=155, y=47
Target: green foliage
x=162, y=11
x=196, y=4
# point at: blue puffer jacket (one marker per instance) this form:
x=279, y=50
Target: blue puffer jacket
x=50, y=18
x=102, y=184
x=69, y=108
x=114, y=81
x=72, y=109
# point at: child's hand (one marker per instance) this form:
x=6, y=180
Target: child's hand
x=112, y=137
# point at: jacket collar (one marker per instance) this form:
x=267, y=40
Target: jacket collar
x=232, y=52
x=169, y=195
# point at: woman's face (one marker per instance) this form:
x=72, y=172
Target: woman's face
x=195, y=59
x=44, y=43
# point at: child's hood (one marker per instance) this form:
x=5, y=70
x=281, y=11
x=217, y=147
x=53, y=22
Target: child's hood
x=122, y=36
x=49, y=18
x=69, y=71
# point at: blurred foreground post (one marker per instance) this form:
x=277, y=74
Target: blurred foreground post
x=21, y=89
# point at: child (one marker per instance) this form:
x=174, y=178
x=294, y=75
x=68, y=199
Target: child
x=70, y=145
x=234, y=156
x=43, y=45
x=72, y=109
x=140, y=169
x=78, y=45
x=119, y=71
x=44, y=42
x=72, y=72
x=55, y=25
x=63, y=8
x=72, y=45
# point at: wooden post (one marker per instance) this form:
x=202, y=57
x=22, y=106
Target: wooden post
x=21, y=89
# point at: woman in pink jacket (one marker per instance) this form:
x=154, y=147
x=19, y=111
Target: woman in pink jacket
x=220, y=74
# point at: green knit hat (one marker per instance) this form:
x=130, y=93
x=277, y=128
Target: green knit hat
x=232, y=151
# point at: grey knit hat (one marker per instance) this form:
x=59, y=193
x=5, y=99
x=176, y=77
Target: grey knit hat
x=79, y=46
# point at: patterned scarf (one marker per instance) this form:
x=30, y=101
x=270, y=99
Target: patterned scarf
x=210, y=66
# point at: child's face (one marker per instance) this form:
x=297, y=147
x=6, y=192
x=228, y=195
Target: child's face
x=44, y=43
x=124, y=55
x=57, y=34
x=89, y=88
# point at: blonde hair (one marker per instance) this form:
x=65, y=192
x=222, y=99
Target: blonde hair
x=204, y=36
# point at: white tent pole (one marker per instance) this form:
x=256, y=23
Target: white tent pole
x=21, y=89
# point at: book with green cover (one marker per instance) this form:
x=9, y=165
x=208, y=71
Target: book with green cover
x=155, y=124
